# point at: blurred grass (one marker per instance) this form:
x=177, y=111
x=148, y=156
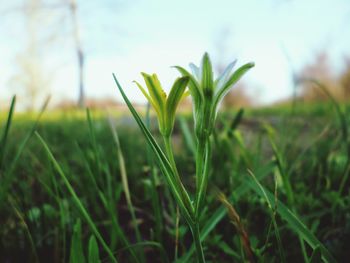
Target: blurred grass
x=310, y=142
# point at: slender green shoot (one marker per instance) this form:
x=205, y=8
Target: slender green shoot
x=76, y=199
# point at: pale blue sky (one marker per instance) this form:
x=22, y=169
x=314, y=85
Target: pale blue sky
x=152, y=35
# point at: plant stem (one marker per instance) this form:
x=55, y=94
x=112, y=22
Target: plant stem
x=198, y=243
x=199, y=168
x=177, y=232
x=199, y=164
x=170, y=155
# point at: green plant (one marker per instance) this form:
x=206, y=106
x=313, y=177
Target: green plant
x=206, y=94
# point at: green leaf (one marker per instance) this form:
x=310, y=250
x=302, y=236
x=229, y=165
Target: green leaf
x=7, y=175
x=220, y=81
x=150, y=100
x=316, y=255
x=189, y=139
x=174, y=98
x=273, y=217
x=207, y=75
x=236, y=121
x=195, y=71
x=155, y=90
x=203, y=181
x=94, y=256
x=293, y=221
x=178, y=190
x=76, y=249
x=6, y=131
x=221, y=92
x=76, y=199
x=193, y=86
x=219, y=213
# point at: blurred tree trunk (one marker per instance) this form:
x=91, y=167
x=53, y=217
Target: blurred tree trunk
x=79, y=52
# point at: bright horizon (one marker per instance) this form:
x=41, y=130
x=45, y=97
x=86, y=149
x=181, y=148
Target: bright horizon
x=152, y=36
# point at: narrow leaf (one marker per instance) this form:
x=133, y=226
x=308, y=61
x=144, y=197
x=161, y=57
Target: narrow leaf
x=3, y=141
x=76, y=199
x=155, y=90
x=175, y=96
x=207, y=74
x=220, y=81
x=76, y=251
x=293, y=221
x=178, y=190
x=193, y=85
x=195, y=71
x=220, y=93
x=94, y=256
x=144, y=92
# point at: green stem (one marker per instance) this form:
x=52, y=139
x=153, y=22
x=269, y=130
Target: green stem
x=199, y=168
x=170, y=155
x=198, y=243
x=199, y=164
x=202, y=164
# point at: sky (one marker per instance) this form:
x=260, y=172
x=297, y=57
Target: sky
x=129, y=37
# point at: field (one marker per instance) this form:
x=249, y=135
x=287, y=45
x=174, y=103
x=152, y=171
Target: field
x=278, y=188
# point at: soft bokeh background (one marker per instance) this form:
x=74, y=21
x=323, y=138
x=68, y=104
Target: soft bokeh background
x=285, y=38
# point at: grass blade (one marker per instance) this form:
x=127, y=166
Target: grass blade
x=6, y=131
x=6, y=181
x=189, y=140
x=76, y=251
x=125, y=184
x=293, y=221
x=219, y=213
x=273, y=217
x=178, y=190
x=94, y=256
x=76, y=199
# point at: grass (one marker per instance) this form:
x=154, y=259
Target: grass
x=77, y=188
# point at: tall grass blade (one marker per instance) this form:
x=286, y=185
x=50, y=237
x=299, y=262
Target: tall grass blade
x=273, y=217
x=5, y=132
x=76, y=199
x=220, y=213
x=94, y=255
x=8, y=178
x=178, y=190
x=189, y=139
x=156, y=203
x=76, y=251
x=293, y=221
x=125, y=183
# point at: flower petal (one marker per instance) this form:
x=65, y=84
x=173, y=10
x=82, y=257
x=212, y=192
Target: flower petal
x=175, y=96
x=195, y=71
x=206, y=73
x=235, y=76
x=193, y=86
x=155, y=90
x=219, y=82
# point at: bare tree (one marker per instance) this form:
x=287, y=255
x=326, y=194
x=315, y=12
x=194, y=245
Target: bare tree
x=65, y=24
x=79, y=51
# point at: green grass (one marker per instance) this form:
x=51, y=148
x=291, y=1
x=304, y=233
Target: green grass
x=78, y=190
